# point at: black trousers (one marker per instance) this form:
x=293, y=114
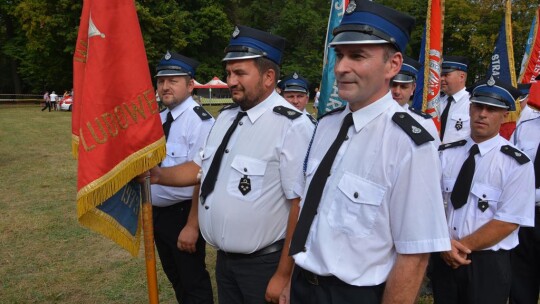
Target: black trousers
x=244, y=280
x=526, y=265
x=47, y=105
x=305, y=291
x=186, y=271
x=486, y=280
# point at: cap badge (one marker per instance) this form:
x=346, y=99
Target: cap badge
x=168, y=56
x=351, y=7
x=295, y=76
x=416, y=130
x=491, y=81
x=236, y=32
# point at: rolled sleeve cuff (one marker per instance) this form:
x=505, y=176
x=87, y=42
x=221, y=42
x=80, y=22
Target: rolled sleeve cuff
x=426, y=246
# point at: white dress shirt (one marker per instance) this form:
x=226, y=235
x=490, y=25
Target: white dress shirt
x=499, y=179
x=458, y=125
x=186, y=139
x=268, y=148
x=382, y=198
x=526, y=137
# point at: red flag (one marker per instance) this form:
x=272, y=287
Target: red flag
x=116, y=127
x=530, y=66
x=427, y=92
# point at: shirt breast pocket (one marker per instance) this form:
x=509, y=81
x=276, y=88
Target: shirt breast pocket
x=447, y=187
x=176, y=154
x=356, y=205
x=529, y=148
x=459, y=120
x=486, y=199
x=246, y=178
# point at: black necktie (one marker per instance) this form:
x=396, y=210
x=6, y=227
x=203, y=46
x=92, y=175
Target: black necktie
x=462, y=187
x=167, y=125
x=444, y=115
x=210, y=180
x=537, y=168
x=315, y=190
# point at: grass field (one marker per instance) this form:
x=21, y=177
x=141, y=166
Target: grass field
x=45, y=255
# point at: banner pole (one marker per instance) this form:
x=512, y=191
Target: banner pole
x=149, y=252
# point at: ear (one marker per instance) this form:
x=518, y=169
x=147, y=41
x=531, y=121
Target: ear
x=394, y=64
x=190, y=84
x=269, y=78
x=505, y=115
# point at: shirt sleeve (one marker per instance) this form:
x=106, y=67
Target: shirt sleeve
x=295, y=147
x=416, y=208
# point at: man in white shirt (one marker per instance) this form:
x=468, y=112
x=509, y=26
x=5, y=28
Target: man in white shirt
x=488, y=185
x=454, y=106
x=186, y=126
x=371, y=211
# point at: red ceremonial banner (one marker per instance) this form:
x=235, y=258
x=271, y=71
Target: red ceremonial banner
x=117, y=131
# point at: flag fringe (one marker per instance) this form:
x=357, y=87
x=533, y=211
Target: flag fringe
x=99, y=190
x=75, y=146
x=102, y=223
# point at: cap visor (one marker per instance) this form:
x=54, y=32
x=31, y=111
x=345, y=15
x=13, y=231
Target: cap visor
x=356, y=38
x=240, y=56
x=489, y=101
x=171, y=73
x=403, y=78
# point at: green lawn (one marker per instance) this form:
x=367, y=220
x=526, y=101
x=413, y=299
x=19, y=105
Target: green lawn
x=45, y=255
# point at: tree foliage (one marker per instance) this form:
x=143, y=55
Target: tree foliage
x=37, y=37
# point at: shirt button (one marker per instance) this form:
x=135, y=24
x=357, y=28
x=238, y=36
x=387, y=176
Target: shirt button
x=455, y=228
x=206, y=207
x=173, y=153
x=347, y=137
x=304, y=249
x=245, y=169
x=240, y=123
x=356, y=195
x=483, y=195
x=226, y=150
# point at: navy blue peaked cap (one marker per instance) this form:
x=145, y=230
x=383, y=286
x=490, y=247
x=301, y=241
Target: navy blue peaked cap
x=367, y=22
x=173, y=64
x=452, y=63
x=495, y=93
x=408, y=72
x=294, y=83
x=248, y=43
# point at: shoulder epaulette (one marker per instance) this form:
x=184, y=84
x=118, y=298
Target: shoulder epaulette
x=313, y=120
x=336, y=110
x=452, y=145
x=201, y=112
x=229, y=106
x=415, y=131
x=416, y=111
x=289, y=113
x=516, y=154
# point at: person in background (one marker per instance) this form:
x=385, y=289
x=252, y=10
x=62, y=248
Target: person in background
x=488, y=185
x=367, y=225
x=250, y=171
x=526, y=256
x=295, y=89
x=402, y=88
x=454, y=106
x=47, y=100
x=54, y=99
x=186, y=125
x=316, y=99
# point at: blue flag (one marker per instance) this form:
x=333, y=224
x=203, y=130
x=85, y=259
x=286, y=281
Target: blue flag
x=329, y=98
